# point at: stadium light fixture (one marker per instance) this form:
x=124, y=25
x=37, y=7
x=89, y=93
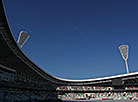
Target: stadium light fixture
x=124, y=52
x=23, y=36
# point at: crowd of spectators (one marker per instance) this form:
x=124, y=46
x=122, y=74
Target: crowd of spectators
x=98, y=93
x=83, y=88
x=20, y=91
x=91, y=88
x=100, y=96
x=20, y=96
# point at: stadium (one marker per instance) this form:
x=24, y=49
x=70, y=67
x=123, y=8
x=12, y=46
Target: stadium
x=21, y=80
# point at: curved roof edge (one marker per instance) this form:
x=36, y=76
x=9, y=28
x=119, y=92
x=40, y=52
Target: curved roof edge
x=99, y=79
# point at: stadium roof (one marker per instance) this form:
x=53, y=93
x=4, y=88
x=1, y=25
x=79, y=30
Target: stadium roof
x=99, y=79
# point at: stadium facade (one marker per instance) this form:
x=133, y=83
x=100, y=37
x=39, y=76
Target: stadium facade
x=21, y=79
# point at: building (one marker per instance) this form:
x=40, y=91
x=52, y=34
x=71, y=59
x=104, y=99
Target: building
x=21, y=79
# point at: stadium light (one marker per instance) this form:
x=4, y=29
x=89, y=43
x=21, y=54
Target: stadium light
x=23, y=36
x=124, y=52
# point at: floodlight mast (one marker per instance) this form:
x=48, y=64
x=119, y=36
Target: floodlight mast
x=124, y=52
x=127, y=66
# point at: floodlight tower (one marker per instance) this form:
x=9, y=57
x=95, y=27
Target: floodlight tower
x=124, y=52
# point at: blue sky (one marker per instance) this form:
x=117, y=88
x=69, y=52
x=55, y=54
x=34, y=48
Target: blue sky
x=77, y=39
